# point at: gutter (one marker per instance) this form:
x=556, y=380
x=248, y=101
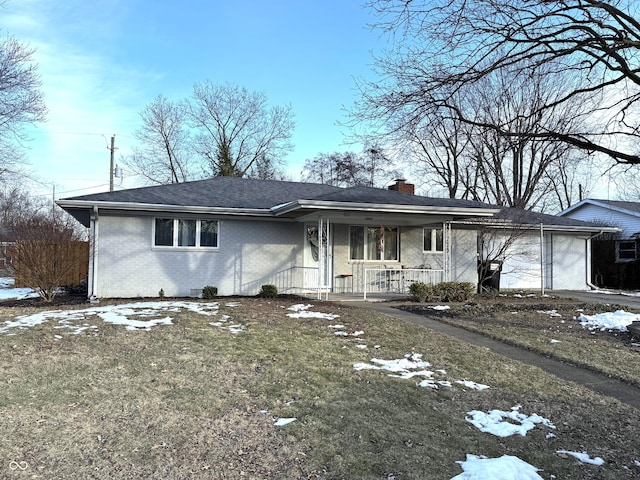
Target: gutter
x=379, y=207
x=155, y=207
x=93, y=259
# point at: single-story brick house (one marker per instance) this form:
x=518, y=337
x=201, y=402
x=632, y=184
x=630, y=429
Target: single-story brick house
x=239, y=234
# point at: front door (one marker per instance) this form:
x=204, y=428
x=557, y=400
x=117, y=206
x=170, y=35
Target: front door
x=317, y=256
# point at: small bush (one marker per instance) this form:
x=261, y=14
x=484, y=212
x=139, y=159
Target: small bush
x=268, y=291
x=455, y=291
x=420, y=291
x=442, y=292
x=209, y=292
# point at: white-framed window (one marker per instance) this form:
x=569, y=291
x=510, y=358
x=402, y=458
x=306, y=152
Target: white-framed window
x=185, y=233
x=374, y=243
x=626, y=251
x=433, y=240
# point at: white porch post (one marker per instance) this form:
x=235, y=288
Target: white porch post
x=324, y=257
x=446, y=240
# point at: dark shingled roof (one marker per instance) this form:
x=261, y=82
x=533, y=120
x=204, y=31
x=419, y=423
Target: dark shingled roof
x=380, y=196
x=232, y=192
x=225, y=192
x=527, y=217
x=631, y=206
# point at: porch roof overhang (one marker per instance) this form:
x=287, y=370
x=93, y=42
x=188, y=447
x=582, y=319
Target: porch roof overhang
x=547, y=227
x=344, y=212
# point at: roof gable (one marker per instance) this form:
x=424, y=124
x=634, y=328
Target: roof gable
x=629, y=208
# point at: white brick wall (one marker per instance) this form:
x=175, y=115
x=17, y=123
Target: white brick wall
x=251, y=254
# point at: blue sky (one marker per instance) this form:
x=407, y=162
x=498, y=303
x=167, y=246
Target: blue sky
x=103, y=61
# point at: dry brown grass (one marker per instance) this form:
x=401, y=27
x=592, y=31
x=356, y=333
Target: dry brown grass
x=526, y=322
x=186, y=401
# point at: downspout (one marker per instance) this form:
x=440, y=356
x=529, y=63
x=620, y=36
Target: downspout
x=588, y=279
x=92, y=288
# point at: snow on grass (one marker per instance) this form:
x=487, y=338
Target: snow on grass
x=281, y=422
x=506, y=467
x=583, y=457
x=148, y=315
x=440, y=307
x=411, y=366
x=8, y=292
x=472, y=385
x=551, y=313
x=618, y=320
x=222, y=323
x=505, y=424
x=302, y=311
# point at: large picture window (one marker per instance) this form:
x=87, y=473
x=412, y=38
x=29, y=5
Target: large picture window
x=433, y=240
x=189, y=233
x=373, y=243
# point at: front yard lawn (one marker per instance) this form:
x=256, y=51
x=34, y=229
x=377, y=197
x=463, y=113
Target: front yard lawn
x=191, y=390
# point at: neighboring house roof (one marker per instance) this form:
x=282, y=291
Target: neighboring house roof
x=630, y=208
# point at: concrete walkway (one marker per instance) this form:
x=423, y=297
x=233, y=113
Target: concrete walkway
x=597, y=382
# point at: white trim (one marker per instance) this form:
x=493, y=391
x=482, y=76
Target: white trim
x=176, y=227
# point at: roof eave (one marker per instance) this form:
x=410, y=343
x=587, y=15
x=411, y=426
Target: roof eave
x=380, y=207
x=154, y=207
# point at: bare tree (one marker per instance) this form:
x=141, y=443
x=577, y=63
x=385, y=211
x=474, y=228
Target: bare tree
x=46, y=251
x=445, y=47
x=348, y=169
x=163, y=155
x=21, y=102
x=236, y=129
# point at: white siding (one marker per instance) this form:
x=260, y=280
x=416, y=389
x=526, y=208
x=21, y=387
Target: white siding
x=629, y=224
x=564, y=263
x=569, y=270
x=251, y=254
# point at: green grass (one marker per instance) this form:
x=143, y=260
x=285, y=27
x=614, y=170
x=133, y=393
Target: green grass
x=187, y=401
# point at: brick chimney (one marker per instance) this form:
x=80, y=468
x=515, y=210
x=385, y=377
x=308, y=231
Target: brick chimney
x=402, y=187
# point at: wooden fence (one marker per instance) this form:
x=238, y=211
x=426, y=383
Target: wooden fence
x=77, y=252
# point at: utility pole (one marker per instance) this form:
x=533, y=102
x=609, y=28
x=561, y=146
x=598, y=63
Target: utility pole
x=111, y=166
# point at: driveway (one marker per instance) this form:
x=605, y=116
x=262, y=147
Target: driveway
x=607, y=297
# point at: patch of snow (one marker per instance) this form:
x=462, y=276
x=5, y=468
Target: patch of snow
x=342, y=333
x=551, y=313
x=472, y=385
x=506, y=467
x=618, y=320
x=555, y=341
x=440, y=307
x=361, y=346
x=337, y=325
x=8, y=292
x=583, y=457
x=517, y=423
x=280, y=422
x=301, y=310
x=114, y=314
x=298, y=307
x=411, y=366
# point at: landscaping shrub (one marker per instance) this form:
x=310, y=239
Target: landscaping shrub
x=420, y=291
x=455, y=291
x=268, y=291
x=209, y=292
x=442, y=292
